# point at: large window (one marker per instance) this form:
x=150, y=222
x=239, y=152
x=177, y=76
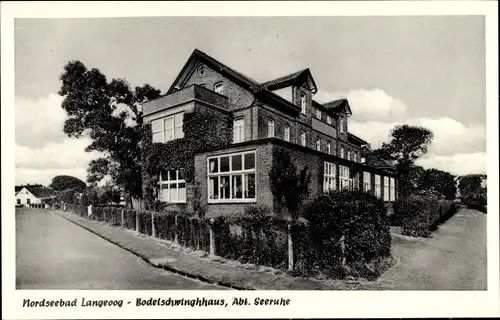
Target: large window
x=172, y=186
x=239, y=130
x=386, y=188
x=303, y=102
x=318, y=144
x=219, y=88
x=393, y=189
x=168, y=128
x=377, y=186
x=349, y=155
x=367, y=181
x=270, y=128
x=286, y=133
x=344, y=177
x=231, y=178
x=302, y=138
x=329, y=175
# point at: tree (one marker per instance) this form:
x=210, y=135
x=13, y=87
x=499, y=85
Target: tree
x=60, y=183
x=288, y=185
x=408, y=143
x=440, y=181
x=109, y=113
x=470, y=184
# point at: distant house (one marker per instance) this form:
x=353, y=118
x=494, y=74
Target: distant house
x=29, y=195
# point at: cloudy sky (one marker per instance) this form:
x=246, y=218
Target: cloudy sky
x=426, y=71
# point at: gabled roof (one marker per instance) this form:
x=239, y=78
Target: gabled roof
x=246, y=82
x=293, y=78
x=197, y=55
x=379, y=163
x=338, y=105
x=356, y=140
x=40, y=192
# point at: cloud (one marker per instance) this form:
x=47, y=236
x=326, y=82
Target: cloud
x=39, y=121
x=458, y=164
x=40, y=165
x=369, y=105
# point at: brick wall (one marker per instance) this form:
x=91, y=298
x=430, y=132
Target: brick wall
x=238, y=97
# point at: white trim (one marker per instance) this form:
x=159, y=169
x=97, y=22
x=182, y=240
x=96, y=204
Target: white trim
x=329, y=175
x=230, y=174
x=175, y=125
x=170, y=182
x=239, y=130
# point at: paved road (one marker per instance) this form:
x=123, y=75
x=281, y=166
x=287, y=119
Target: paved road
x=453, y=259
x=52, y=253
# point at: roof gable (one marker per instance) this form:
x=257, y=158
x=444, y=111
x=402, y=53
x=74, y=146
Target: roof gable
x=340, y=105
x=198, y=56
x=39, y=192
x=299, y=77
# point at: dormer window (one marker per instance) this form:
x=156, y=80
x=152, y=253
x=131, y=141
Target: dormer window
x=328, y=119
x=318, y=114
x=303, y=102
x=219, y=88
x=341, y=124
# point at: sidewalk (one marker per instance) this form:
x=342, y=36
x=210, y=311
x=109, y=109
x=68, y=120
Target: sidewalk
x=163, y=254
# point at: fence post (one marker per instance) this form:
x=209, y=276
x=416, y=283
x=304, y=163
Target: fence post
x=123, y=218
x=212, y=237
x=342, y=250
x=290, y=247
x=176, y=229
x=153, y=227
x=137, y=222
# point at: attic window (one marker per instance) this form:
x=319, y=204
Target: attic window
x=219, y=88
x=201, y=70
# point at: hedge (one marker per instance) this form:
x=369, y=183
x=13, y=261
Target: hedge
x=420, y=215
x=476, y=201
x=347, y=231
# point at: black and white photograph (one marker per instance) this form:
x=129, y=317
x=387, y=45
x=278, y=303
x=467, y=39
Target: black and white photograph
x=272, y=153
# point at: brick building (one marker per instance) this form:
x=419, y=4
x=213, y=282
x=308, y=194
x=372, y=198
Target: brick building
x=269, y=116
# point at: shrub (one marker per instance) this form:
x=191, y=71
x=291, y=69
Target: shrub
x=129, y=219
x=476, y=200
x=357, y=218
x=417, y=214
x=253, y=237
x=144, y=220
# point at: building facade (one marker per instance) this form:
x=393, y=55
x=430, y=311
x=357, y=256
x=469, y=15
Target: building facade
x=264, y=118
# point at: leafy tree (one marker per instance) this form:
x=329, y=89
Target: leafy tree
x=109, y=113
x=289, y=185
x=415, y=176
x=408, y=143
x=60, y=183
x=441, y=181
x=470, y=184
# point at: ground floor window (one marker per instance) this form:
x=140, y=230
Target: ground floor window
x=367, y=181
x=18, y=201
x=172, y=186
x=28, y=201
x=377, y=186
x=231, y=177
x=345, y=182
x=386, y=188
x=329, y=177
x=393, y=189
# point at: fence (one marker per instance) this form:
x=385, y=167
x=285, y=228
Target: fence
x=249, y=242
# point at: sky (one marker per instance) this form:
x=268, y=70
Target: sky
x=419, y=70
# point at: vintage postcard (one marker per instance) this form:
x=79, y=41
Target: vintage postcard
x=258, y=159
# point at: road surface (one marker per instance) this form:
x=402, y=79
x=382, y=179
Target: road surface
x=454, y=258
x=53, y=253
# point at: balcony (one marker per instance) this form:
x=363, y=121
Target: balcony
x=189, y=94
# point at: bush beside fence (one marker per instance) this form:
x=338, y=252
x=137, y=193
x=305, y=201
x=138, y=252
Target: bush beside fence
x=420, y=215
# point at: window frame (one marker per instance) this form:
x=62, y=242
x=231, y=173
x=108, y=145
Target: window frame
x=303, y=103
x=329, y=147
x=318, y=113
x=392, y=190
x=271, y=128
x=286, y=133
x=217, y=85
x=329, y=175
x=303, y=139
x=242, y=173
x=341, y=124
x=239, y=130
x=378, y=191
x=367, y=182
x=173, y=128
x=342, y=152
x=387, y=189
x=328, y=119
x=344, y=177
x=318, y=144
x=170, y=182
